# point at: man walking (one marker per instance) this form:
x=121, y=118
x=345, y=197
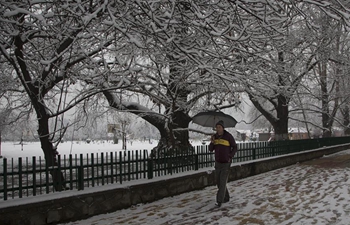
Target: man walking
x=225, y=148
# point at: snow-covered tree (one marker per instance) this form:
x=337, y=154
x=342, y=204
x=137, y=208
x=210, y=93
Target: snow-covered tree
x=283, y=63
x=185, y=56
x=48, y=46
x=324, y=91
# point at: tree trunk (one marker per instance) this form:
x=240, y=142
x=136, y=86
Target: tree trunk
x=281, y=124
x=280, y=103
x=282, y=112
x=327, y=117
x=36, y=95
x=50, y=153
x=176, y=137
x=326, y=132
x=0, y=145
x=174, y=143
x=170, y=136
x=346, y=120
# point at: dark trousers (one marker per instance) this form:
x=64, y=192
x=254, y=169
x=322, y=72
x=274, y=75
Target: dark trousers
x=221, y=173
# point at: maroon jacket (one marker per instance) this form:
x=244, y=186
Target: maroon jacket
x=225, y=147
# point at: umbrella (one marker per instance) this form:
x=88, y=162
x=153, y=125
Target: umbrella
x=210, y=118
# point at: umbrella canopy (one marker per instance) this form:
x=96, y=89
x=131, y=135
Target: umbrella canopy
x=210, y=118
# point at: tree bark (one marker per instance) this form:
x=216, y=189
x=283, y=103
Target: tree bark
x=346, y=119
x=36, y=96
x=50, y=153
x=280, y=103
x=170, y=137
x=326, y=125
x=280, y=122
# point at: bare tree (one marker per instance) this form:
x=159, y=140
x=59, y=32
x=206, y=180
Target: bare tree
x=49, y=47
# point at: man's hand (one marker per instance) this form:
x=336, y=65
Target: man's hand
x=212, y=139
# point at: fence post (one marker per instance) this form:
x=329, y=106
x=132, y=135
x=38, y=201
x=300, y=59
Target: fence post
x=254, y=153
x=81, y=173
x=34, y=175
x=150, y=168
x=70, y=172
x=58, y=173
x=196, y=162
x=20, y=189
x=102, y=168
x=80, y=177
x=5, y=177
x=121, y=167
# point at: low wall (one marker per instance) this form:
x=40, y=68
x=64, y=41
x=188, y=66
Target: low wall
x=76, y=205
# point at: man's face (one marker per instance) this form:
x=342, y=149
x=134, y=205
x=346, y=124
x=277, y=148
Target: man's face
x=219, y=129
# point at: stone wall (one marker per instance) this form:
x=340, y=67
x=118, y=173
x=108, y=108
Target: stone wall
x=79, y=205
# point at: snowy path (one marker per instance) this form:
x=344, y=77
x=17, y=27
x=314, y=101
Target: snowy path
x=316, y=192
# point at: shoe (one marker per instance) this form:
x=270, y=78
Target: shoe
x=218, y=204
x=226, y=201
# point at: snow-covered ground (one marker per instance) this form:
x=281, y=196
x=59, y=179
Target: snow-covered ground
x=300, y=194
x=29, y=149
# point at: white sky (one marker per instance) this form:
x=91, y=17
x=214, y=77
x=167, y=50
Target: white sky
x=298, y=194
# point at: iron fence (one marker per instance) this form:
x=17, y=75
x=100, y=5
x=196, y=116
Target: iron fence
x=31, y=177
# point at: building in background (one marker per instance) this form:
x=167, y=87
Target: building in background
x=297, y=133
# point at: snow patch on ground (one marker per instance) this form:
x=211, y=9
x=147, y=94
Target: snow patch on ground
x=298, y=194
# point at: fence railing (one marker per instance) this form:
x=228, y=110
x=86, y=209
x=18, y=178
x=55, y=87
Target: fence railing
x=30, y=177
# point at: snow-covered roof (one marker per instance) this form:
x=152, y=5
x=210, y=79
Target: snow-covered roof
x=292, y=130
